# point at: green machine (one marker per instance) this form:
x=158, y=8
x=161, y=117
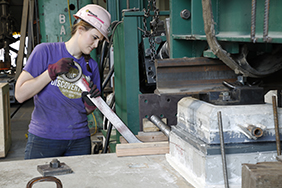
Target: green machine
x=56, y=18
x=233, y=34
x=242, y=38
x=229, y=27
x=127, y=38
x=225, y=55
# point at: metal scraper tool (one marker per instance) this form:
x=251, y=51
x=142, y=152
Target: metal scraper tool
x=103, y=107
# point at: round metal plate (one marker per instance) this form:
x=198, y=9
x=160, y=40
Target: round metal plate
x=71, y=80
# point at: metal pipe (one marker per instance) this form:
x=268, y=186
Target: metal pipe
x=278, y=147
x=222, y=150
x=266, y=21
x=107, y=141
x=255, y=131
x=4, y=9
x=228, y=85
x=161, y=125
x=253, y=22
x=127, y=4
x=111, y=105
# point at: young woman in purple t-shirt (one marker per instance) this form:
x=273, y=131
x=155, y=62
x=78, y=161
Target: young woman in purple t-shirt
x=58, y=125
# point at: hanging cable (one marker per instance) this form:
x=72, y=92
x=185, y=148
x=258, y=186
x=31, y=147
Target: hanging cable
x=114, y=24
x=69, y=13
x=96, y=125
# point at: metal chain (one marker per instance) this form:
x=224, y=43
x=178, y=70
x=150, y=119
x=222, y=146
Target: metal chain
x=146, y=15
x=153, y=24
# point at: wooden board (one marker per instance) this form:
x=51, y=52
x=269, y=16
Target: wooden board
x=5, y=123
x=147, y=148
x=262, y=175
x=22, y=39
x=157, y=136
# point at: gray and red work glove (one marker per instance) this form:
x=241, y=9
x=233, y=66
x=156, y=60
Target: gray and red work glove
x=94, y=92
x=60, y=67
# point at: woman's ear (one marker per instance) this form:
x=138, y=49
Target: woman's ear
x=80, y=29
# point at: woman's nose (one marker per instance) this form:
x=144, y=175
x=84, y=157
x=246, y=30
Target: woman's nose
x=95, y=44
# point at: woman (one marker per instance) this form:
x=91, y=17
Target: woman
x=58, y=125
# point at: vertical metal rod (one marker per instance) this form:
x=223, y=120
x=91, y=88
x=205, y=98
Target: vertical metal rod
x=224, y=167
x=109, y=128
x=266, y=19
x=107, y=141
x=253, y=24
x=127, y=4
x=278, y=147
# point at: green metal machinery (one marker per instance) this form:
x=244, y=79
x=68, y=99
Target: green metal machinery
x=56, y=27
x=243, y=37
x=235, y=41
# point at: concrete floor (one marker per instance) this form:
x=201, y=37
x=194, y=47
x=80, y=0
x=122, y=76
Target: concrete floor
x=98, y=171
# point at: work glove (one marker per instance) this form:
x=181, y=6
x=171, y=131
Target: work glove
x=94, y=92
x=60, y=67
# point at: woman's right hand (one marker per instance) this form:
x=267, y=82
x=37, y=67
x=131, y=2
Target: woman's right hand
x=60, y=67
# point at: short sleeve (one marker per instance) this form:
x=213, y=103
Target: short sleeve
x=37, y=62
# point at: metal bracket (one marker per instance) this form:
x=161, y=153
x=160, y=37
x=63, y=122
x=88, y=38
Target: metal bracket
x=55, y=167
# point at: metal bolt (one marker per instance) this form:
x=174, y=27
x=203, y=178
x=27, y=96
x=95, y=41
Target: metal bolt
x=185, y=14
x=158, y=40
x=55, y=163
x=225, y=96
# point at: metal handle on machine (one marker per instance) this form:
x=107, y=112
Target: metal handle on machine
x=46, y=178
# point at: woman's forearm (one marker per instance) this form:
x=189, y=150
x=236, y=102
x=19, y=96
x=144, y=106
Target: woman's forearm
x=28, y=86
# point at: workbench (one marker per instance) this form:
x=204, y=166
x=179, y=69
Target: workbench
x=99, y=171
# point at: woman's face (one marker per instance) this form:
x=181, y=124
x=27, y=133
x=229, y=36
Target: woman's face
x=89, y=40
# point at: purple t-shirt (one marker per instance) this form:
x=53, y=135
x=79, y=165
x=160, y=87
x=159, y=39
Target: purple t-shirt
x=59, y=112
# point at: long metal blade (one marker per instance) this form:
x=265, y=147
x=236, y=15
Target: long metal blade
x=109, y=114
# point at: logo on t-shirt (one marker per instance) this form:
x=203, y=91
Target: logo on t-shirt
x=68, y=89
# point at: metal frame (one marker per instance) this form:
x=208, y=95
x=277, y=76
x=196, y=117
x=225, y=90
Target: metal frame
x=126, y=41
